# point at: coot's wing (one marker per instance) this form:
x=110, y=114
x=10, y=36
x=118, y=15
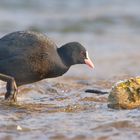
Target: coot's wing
x=18, y=43
x=27, y=56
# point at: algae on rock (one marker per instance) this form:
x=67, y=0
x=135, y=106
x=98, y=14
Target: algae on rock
x=125, y=94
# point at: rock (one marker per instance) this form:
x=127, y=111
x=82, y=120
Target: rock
x=125, y=94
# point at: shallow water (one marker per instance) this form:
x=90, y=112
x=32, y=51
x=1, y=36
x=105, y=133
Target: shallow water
x=59, y=108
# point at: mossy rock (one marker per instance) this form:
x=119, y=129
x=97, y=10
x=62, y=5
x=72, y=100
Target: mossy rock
x=125, y=94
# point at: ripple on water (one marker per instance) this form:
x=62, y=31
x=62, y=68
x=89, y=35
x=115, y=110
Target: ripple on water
x=62, y=110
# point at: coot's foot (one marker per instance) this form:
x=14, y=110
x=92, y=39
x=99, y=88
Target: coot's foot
x=11, y=87
x=11, y=93
x=11, y=96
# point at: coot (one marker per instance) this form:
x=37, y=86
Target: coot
x=27, y=57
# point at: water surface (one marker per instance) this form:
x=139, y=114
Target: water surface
x=59, y=108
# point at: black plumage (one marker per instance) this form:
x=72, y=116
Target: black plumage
x=27, y=57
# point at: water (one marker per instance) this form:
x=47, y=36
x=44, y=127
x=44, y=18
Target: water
x=59, y=108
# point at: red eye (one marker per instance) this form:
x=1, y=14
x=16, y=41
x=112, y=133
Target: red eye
x=82, y=53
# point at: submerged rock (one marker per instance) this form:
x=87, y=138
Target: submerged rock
x=125, y=94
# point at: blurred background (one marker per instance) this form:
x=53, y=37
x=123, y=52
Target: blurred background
x=109, y=29
x=59, y=108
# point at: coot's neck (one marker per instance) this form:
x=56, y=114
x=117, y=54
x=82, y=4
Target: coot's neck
x=58, y=66
x=65, y=54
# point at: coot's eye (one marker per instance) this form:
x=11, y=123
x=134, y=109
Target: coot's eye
x=83, y=54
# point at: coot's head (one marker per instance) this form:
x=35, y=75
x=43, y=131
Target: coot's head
x=74, y=53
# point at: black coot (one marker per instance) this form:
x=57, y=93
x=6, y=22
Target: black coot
x=27, y=57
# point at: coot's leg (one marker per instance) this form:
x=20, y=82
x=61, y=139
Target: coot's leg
x=11, y=87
